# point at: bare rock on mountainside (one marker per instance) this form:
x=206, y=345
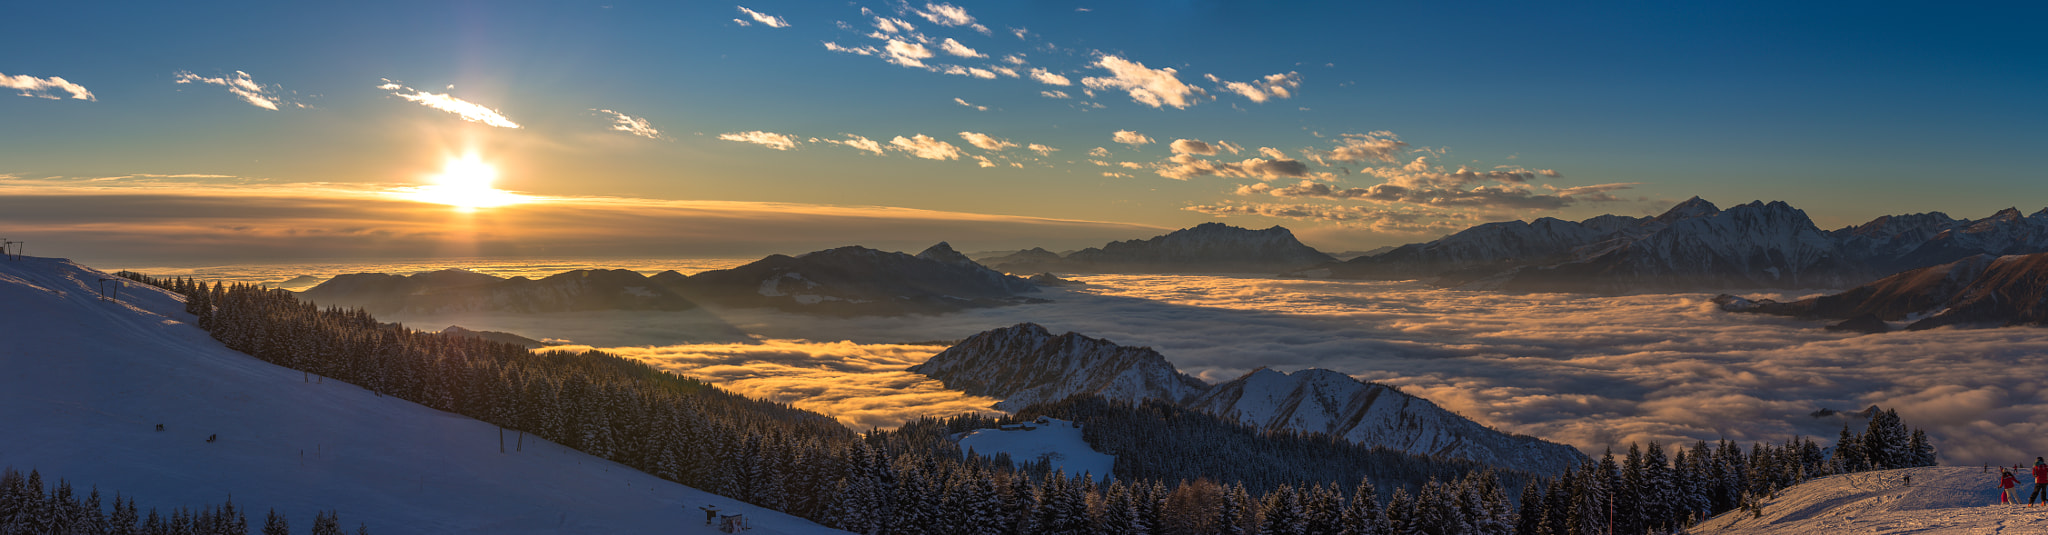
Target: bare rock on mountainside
x=1205, y=248
x=1696, y=246
x=1026, y=364
x=1978, y=291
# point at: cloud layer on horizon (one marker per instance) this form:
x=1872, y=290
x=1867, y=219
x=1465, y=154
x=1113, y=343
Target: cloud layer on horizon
x=175, y=220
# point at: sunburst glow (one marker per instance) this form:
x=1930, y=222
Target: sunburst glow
x=465, y=183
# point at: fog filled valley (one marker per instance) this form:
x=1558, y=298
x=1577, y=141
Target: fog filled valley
x=1589, y=371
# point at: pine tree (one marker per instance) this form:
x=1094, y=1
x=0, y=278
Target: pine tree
x=327, y=523
x=1324, y=508
x=273, y=525
x=1282, y=514
x=1401, y=514
x=1362, y=514
x=1530, y=519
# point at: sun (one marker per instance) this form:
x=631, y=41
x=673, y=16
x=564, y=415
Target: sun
x=465, y=183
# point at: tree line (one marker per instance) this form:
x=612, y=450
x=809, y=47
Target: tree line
x=27, y=506
x=915, y=479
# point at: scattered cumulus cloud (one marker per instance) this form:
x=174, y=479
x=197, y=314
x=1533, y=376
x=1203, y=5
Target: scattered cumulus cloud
x=953, y=47
x=1054, y=94
x=1157, y=88
x=1193, y=146
x=1099, y=152
x=963, y=102
x=242, y=86
x=632, y=125
x=950, y=15
x=927, y=147
x=766, y=139
x=1042, y=150
x=468, y=111
x=1381, y=146
x=987, y=142
x=906, y=53
x=889, y=25
x=1049, y=78
x=763, y=18
x=1272, y=153
x=1128, y=137
x=1185, y=166
x=30, y=86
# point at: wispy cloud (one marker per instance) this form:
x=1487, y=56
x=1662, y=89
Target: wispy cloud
x=632, y=125
x=468, y=111
x=927, y=147
x=31, y=86
x=986, y=142
x=243, y=86
x=1157, y=88
x=950, y=15
x=1131, y=138
x=763, y=18
x=860, y=50
x=1374, y=218
x=1271, y=87
x=1055, y=94
x=1042, y=150
x=1193, y=146
x=1381, y=146
x=766, y=139
x=964, y=102
x=857, y=142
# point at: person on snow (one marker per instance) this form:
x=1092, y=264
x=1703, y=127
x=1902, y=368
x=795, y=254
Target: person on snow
x=2005, y=484
x=2040, y=482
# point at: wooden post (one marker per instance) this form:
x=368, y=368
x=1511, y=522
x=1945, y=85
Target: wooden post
x=501, y=439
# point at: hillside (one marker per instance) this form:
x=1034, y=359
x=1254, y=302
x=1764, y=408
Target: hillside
x=88, y=380
x=1981, y=290
x=1941, y=501
x=1025, y=365
x=1695, y=246
x=1204, y=248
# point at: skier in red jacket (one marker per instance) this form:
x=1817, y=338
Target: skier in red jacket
x=2040, y=482
x=2005, y=484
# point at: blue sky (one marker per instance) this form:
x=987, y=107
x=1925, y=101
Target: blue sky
x=1849, y=111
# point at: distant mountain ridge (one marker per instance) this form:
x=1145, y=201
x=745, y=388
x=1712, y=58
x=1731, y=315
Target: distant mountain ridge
x=850, y=280
x=1208, y=247
x=1695, y=246
x=1982, y=290
x=1025, y=364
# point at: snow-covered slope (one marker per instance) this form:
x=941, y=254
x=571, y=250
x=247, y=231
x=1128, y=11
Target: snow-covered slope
x=86, y=381
x=1941, y=501
x=1324, y=401
x=1025, y=364
x=1055, y=440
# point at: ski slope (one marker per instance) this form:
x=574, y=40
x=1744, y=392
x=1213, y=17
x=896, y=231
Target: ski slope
x=1941, y=501
x=84, y=381
x=1056, y=440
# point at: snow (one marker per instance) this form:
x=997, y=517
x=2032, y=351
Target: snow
x=1056, y=439
x=87, y=380
x=1942, y=500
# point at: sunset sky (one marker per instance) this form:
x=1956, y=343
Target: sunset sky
x=279, y=131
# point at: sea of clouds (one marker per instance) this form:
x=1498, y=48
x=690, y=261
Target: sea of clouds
x=1590, y=371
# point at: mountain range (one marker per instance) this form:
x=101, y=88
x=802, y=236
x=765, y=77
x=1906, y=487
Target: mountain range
x=1025, y=364
x=1695, y=246
x=844, y=281
x=1981, y=290
x=1205, y=248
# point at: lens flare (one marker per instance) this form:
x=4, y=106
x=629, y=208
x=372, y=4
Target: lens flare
x=466, y=184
